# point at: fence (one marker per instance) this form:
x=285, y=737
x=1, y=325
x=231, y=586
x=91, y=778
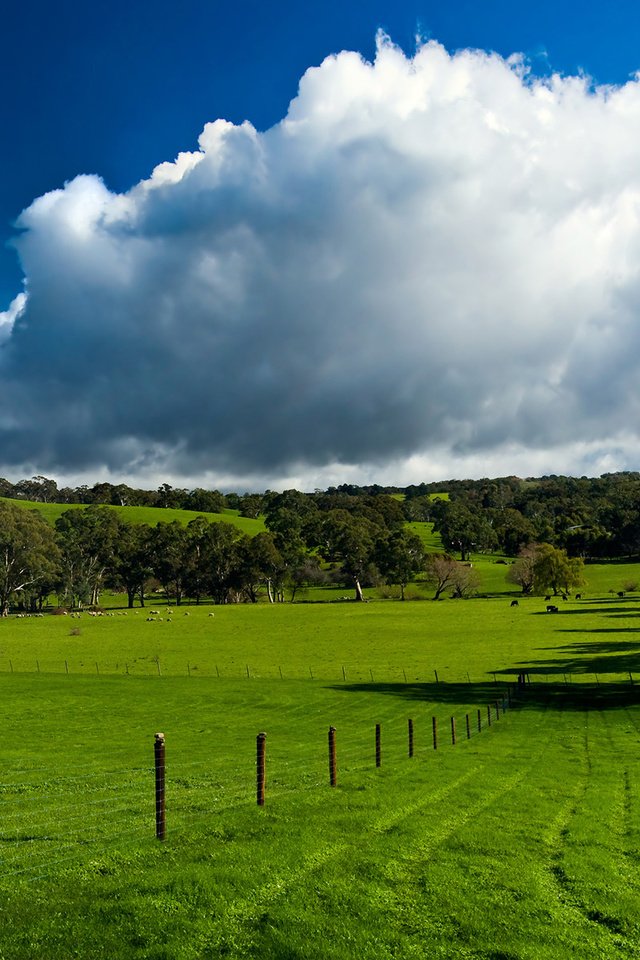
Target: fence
x=75, y=814
x=352, y=674
x=48, y=820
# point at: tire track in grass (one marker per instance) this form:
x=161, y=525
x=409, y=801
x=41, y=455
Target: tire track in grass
x=247, y=910
x=623, y=873
x=559, y=883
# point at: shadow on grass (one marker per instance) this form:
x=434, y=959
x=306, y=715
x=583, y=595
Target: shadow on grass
x=452, y=693
x=557, y=691
x=563, y=611
x=603, y=658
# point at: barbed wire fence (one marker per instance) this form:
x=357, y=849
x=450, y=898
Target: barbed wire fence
x=48, y=823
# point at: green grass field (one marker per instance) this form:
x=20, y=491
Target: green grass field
x=520, y=842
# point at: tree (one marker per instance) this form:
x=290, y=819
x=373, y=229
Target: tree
x=221, y=559
x=444, y=571
x=522, y=571
x=541, y=567
x=466, y=583
x=400, y=557
x=28, y=552
x=87, y=539
x=40, y=489
x=512, y=530
x=260, y=564
x=169, y=557
x=463, y=529
x=554, y=570
x=352, y=541
x=132, y=566
x=205, y=501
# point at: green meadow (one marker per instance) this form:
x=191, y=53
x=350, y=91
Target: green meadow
x=520, y=841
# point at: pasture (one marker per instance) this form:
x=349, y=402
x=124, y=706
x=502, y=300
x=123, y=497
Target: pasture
x=519, y=842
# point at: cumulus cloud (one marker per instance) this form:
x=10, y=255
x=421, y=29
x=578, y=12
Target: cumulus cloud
x=429, y=260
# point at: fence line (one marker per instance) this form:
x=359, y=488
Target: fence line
x=61, y=821
x=345, y=673
x=82, y=824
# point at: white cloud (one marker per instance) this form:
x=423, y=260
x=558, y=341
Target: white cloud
x=429, y=260
x=9, y=317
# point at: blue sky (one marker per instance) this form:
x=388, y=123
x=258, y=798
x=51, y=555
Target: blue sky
x=424, y=266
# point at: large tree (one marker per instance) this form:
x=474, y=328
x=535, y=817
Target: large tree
x=170, y=555
x=132, y=561
x=464, y=529
x=400, y=557
x=351, y=540
x=541, y=567
x=88, y=539
x=28, y=552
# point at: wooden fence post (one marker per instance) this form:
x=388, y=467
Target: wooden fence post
x=453, y=731
x=333, y=767
x=161, y=817
x=479, y=721
x=410, y=737
x=378, y=746
x=468, y=728
x=261, y=767
x=434, y=724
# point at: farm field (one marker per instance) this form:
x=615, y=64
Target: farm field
x=520, y=842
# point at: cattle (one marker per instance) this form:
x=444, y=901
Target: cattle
x=548, y=597
x=514, y=603
x=578, y=596
x=551, y=608
x=621, y=593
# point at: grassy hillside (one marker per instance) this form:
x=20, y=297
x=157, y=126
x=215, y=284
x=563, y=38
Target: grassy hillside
x=148, y=515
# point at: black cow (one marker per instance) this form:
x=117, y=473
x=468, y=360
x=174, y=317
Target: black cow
x=514, y=603
x=551, y=608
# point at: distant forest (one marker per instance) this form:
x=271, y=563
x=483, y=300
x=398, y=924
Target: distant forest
x=590, y=518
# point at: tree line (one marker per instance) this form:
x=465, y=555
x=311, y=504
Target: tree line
x=588, y=517
x=90, y=550
x=355, y=540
